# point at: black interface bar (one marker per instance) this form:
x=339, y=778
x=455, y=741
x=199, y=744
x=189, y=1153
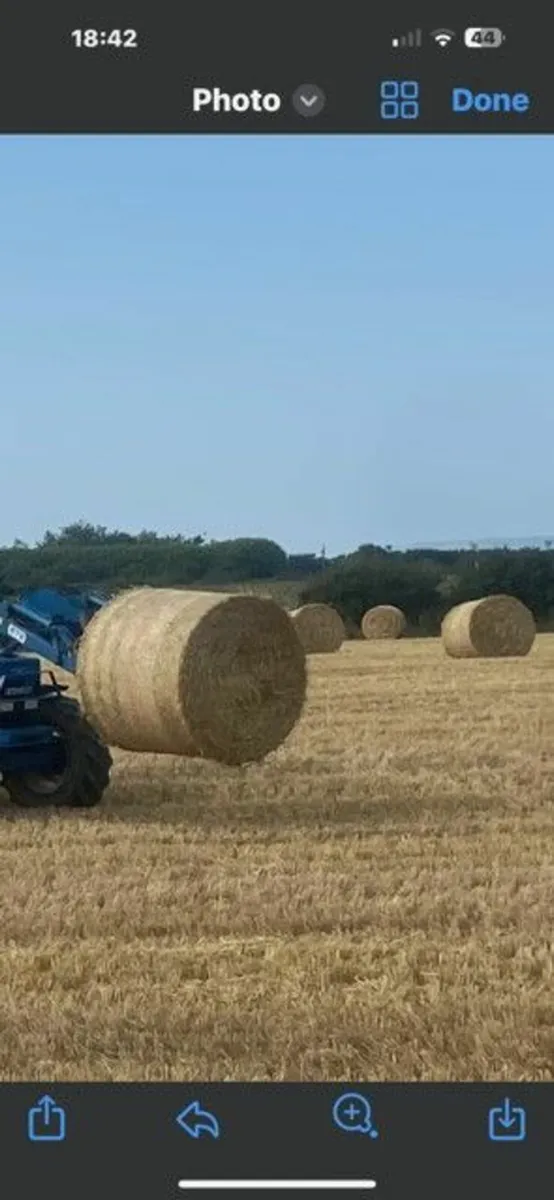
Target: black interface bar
x=211, y=66
x=162, y=1142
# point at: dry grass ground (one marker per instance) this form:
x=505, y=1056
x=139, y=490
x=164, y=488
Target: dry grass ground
x=375, y=901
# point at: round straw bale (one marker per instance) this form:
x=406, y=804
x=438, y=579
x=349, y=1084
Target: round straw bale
x=319, y=627
x=202, y=674
x=383, y=621
x=494, y=627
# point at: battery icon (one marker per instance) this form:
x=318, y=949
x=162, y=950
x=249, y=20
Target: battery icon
x=483, y=39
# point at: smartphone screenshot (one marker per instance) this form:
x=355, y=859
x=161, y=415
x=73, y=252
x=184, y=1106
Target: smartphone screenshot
x=277, y=601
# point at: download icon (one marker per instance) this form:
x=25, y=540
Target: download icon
x=507, y=1123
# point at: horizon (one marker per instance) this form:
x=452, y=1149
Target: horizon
x=537, y=542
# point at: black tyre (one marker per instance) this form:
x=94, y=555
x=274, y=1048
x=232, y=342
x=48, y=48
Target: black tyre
x=85, y=770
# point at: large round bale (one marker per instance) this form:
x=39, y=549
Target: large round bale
x=383, y=621
x=319, y=627
x=202, y=674
x=494, y=627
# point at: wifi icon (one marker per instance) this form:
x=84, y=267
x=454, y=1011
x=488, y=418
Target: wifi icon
x=443, y=37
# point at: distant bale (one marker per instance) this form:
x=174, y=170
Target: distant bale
x=494, y=627
x=319, y=627
x=383, y=621
x=194, y=673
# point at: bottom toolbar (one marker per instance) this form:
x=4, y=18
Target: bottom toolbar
x=165, y=1140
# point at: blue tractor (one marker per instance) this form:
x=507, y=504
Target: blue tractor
x=49, y=754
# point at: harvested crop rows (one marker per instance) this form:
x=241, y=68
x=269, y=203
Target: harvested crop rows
x=375, y=900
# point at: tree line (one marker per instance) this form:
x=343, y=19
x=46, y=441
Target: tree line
x=423, y=583
x=91, y=556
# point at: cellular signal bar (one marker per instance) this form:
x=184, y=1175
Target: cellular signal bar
x=282, y=1185
x=408, y=40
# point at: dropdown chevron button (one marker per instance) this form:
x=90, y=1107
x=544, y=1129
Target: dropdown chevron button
x=308, y=100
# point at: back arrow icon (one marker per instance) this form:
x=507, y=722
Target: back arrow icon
x=196, y=1120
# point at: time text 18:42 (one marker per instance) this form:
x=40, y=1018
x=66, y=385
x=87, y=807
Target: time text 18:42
x=92, y=39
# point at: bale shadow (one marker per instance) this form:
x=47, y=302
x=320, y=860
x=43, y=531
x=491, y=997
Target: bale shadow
x=288, y=797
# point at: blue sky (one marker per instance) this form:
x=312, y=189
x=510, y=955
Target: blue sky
x=319, y=340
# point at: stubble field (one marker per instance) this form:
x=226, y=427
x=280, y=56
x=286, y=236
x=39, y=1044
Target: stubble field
x=375, y=901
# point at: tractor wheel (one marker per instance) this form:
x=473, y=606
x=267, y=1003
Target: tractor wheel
x=85, y=773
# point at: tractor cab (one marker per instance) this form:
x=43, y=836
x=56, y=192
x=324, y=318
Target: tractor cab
x=49, y=754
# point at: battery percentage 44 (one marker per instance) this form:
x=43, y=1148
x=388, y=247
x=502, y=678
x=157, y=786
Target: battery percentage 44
x=483, y=39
